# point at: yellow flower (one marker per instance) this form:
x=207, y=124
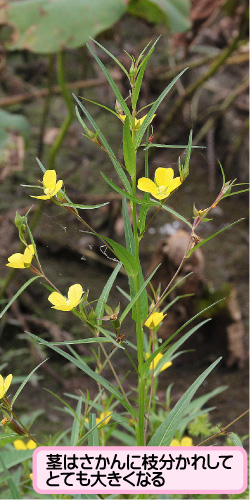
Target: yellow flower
x=154, y=320
x=50, y=186
x=4, y=385
x=105, y=414
x=138, y=123
x=185, y=441
x=163, y=185
x=19, y=260
x=102, y=416
x=20, y=445
x=31, y=476
x=61, y=303
x=156, y=361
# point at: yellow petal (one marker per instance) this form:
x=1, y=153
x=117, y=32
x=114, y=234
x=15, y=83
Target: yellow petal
x=186, y=441
x=28, y=254
x=166, y=365
x=49, y=179
x=7, y=382
x=57, y=187
x=122, y=118
x=58, y=301
x=43, y=197
x=31, y=445
x=16, y=261
x=175, y=442
x=163, y=176
x=159, y=196
x=174, y=184
x=154, y=319
x=75, y=294
x=145, y=184
x=19, y=444
x=104, y=414
x=1, y=383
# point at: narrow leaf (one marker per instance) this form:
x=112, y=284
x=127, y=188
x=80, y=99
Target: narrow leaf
x=111, y=83
x=106, y=290
x=128, y=148
x=134, y=299
x=76, y=424
x=106, y=145
x=17, y=294
x=166, y=431
x=25, y=382
x=86, y=369
x=85, y=207
x=130, y=245
x=212, y=236
x=153, y=109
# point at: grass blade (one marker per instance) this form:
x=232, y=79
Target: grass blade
x=25, y=382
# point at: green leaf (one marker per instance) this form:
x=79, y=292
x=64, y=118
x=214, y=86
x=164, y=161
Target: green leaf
x=140, y=76
x=167, y=356
x=171, y=146
x=92, y=340
x=236, y=440
x=113, y=57
x=93, y=438
x=18, y=293
x=47, y=26
x=25, y=382
x=85, y=207
x=157, y=351
x=166, y=431
x=128, y=148
x=127, y=259
x=177, y=215
x=153, y=109
x=76, y=424
x=14, y=457
x=138, y=294
x=85, y=368
x=12, y=485
x=212, y=236
x=104, y=142
x=106, y=291
x=129, y=196
x=112, y=84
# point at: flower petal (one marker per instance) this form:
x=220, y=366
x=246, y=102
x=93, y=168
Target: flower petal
x=174, y=184
x=57, y=187
x=145, y=184
x=1, y=383
x=175, y=442
x=31, y=445
x=7, y=382
x=16, y=261
x=75, y=294
x=49, y=179
x=28, y=254
x=122, y=118
x=58, y=301
x=163, y=176
x=186, y=441
x=154, y=319
x=19, y=444
x=43, y=197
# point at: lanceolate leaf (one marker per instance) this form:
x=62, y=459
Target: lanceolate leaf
x=166, y=431
x=106, y=290
x=86, y=369
x=104, y=142
x=124, y=256
x=212, y=236
x=18, y=293
x=153, y=109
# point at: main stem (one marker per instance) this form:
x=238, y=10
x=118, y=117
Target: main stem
x=139, y=330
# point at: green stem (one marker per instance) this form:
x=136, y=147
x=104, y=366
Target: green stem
x=68, y=101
